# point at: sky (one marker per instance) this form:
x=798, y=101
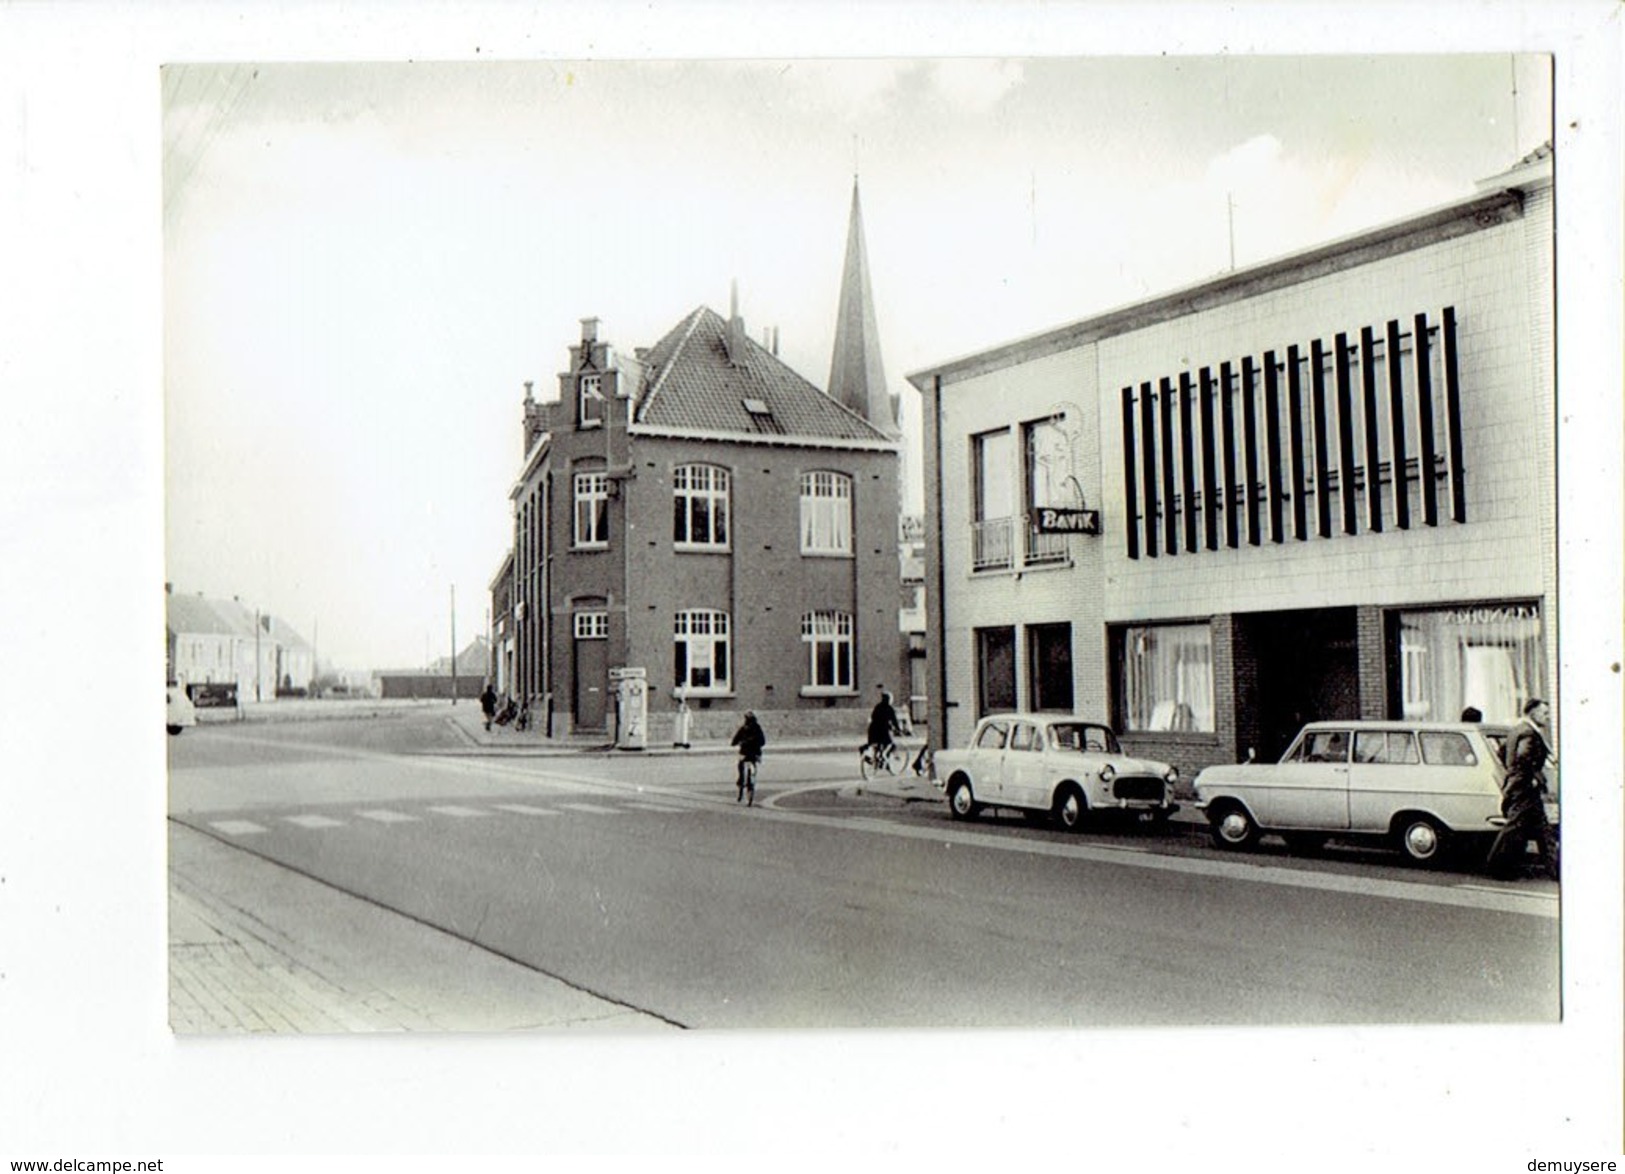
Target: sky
x=364, y=263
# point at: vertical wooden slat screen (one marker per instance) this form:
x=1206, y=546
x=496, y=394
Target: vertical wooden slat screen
x=1294, y=420
x=1323, y=480
x=1249, y=441
x=1170, y=519
x=1187, y=459
x=1227, y=419
x=1345, y=437
x=1396, y=428
x=1131, y=508
x=1373, y=439
x=1422, y=351
x=1452, y=403
x=1148, y=468
x=1210, y=477
x=1272, y=441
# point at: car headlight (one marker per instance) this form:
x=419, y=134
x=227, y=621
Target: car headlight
x=1172, y=774
x=1108, y=773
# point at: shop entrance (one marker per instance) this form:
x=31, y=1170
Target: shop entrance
x=1307, y=669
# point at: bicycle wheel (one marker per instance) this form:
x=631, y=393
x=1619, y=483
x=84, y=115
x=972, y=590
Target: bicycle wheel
x=894, y=759
x=866, y=762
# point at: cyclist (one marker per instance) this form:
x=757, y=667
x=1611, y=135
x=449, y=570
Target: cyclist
x=750, y=739
x=883, y=724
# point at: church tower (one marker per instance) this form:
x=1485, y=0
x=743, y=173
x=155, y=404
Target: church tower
x=856, y=378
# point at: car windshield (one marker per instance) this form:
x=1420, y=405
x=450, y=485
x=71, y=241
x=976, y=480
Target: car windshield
x=1085, y=736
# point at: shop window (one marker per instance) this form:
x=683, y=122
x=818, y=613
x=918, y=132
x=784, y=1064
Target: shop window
x=1049, y=667
x=1491, y=657
x=702, y=652
x=828, y=636
x=1165, y=679
x=996, y=669
x=826, y=513
x=700, y=507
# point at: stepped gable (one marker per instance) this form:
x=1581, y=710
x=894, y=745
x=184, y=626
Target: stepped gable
x=707, y=377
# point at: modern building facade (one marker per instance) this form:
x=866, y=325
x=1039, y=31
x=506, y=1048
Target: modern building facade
x=699, y=515
x=1318, y=487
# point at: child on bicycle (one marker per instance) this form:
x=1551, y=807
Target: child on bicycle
x=750, y=739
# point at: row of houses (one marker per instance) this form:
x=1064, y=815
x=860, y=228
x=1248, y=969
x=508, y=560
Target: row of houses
x=1321, y=486
x=218, y=646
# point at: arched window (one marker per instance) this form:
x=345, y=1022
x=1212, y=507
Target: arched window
x=826, y=513
x=701, y=652
x=700, y=507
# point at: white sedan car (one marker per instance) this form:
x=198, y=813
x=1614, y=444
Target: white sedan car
x=1053, y=764
x=181, y=712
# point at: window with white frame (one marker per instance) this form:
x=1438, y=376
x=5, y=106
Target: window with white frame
x=592, y=509
x=700, y=506
x=701, y=652
x=828, y=636
x=590, y=393
x=592, y=625
x=992, y=499
x=826, y=513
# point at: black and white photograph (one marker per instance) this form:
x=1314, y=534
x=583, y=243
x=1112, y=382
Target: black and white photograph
x=802, y=594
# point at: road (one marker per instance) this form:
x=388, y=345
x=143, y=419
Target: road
x=641, y=881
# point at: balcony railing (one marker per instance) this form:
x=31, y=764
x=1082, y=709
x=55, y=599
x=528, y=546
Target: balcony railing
x=993, y=545
x=1044, y=548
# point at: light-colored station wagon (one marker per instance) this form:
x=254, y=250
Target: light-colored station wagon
x=1051, y=763
x=1417, y=785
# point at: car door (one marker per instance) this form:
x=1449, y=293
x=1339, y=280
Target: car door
x=985, y=761
x=1024, y=771
x=1310, y=788
x=1386, y=777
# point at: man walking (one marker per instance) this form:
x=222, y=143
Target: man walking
x=1523, y=796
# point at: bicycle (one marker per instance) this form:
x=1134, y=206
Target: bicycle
x=747, y=782
x=889, y=758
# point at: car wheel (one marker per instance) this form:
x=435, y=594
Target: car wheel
x=1233, y=827
x=1071, y=808
x=1421, y=839
x=1304, y=843
x=173, y=729
x=962, y=803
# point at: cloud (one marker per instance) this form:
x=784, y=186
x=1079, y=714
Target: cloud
x=976, y=85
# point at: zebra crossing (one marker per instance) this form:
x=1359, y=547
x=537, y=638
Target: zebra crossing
x=390, y=816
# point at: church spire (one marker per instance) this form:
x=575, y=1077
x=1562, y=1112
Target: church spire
x=856, y=378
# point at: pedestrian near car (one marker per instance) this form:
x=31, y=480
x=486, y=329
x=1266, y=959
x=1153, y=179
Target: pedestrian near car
x=488, y=703
x=1523, y=798
x=750, y=739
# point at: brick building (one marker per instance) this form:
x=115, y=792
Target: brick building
x=1322, y=486
x=699, y=511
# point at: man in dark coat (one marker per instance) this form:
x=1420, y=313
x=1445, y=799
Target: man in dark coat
x=1523, y=796
x=488, y=703
x=883, y=722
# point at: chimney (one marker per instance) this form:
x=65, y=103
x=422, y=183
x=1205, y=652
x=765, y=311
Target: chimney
x=589, y=330
x=735, y=341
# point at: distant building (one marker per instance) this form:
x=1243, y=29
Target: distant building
x=220, y=642
x=699, y=511
x=1318, y=487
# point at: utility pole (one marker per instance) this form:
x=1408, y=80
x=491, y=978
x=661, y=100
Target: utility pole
x=256, y=654
x=454, y=644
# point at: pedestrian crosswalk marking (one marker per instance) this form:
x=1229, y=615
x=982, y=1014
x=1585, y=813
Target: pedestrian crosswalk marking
x=591, y=808
x=237, y=827
x=660, y=807
x=461, y=812
x=315, y=822
x=388, y=816
x=524, y=809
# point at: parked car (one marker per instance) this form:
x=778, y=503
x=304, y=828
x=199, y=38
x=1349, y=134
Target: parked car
x=1054, y=764
x=1418, y=786
x=181, y=712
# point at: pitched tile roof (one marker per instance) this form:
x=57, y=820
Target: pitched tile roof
x=694, y=386
x=196, y=615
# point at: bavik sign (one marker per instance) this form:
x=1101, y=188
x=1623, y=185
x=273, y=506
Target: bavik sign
x=1051, y=519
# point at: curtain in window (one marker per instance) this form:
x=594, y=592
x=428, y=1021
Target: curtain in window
x=1167, y=681
x=1491, y=657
